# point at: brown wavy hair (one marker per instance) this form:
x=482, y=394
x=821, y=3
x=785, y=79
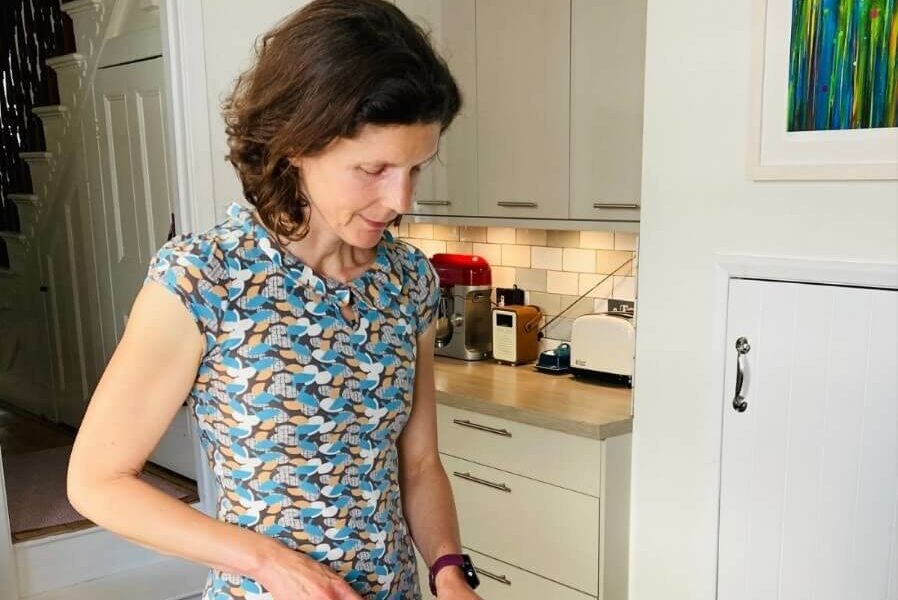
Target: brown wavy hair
x=321, y=74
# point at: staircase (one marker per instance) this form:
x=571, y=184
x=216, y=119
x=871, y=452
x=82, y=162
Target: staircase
x=53, y=56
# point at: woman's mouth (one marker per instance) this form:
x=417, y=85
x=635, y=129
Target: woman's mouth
x=374, y=224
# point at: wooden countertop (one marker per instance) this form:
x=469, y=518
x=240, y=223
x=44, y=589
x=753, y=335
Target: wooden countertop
x=523, y=394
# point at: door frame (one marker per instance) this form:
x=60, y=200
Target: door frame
x=184, y=66
x=184, y=73
x=729, y=266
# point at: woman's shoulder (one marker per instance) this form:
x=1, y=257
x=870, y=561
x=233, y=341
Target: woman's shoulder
x=207, y=252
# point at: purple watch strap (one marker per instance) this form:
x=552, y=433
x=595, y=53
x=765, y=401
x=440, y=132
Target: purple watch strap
x=447, y=560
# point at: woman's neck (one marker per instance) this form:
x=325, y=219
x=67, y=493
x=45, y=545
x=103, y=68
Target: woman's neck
x=327, y=254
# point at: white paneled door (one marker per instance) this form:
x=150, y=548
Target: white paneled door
x=136, y=196
x=137, y=207
x=809, y=473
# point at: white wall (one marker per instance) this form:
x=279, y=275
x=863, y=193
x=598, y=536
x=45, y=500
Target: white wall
x=697, y=201
x=230, y=29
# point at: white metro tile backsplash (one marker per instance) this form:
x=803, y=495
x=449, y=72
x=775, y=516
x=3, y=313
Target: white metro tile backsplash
x=553, y=267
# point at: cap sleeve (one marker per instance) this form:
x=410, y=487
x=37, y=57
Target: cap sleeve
x=426, y=291
x=190, y=268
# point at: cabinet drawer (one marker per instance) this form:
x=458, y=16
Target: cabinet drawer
x=538, y=527
x=561, y=459
x=501, y=581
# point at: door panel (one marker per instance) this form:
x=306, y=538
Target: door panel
x=809, y=480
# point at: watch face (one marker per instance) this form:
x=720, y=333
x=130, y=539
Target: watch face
x=470, y=573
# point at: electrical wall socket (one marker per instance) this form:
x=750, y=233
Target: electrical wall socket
x=621, y=306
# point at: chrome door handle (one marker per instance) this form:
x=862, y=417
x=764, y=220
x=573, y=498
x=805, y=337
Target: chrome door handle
x=499, y=578
x=495, y=486
x=599, y=205
x=433, y=202
x=742, y=348
x=518, y=204
x=467, y=423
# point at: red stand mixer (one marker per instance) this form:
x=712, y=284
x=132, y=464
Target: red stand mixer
x=464, y=321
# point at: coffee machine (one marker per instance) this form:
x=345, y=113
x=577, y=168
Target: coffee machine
x=464, y=322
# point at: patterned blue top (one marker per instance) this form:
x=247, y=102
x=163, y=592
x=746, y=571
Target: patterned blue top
x=298, y=408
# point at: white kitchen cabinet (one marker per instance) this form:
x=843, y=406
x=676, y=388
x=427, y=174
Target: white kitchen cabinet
x=547, y=510
x=448, y=185
x=544, y=529
x=607, y=70
x=523, y=108
x=810, y=512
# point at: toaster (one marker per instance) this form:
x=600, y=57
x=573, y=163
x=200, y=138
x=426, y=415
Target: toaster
x=603, y=345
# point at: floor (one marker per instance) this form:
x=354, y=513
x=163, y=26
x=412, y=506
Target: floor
x=22, y=432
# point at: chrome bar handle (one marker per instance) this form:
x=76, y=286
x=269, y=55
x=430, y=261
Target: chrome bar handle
x=742, y=348
x=499, y=578
x=507, y=204
x=467, y=423
x=433, y=202
x=495, y=486
x=613, y=205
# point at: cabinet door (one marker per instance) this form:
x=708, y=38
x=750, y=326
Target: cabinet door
x=523, y=114
x=607, y=67
x=809, y=470
x=448, y=185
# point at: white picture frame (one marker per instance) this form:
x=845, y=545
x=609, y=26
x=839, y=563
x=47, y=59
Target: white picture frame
x=779, y=154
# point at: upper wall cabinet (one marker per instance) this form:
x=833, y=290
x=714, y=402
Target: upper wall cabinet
x=551, y=126
x=448, y=186
x=607, y=67
x=523, y=104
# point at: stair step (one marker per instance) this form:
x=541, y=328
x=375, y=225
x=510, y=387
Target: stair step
x=56, y=110
x=49, y=567
x=87, y=18
x=23, y=199
x=39, y=164
x=13, y=236
x=8, y=272
x=70, y=72
x=55, y=120
x=167, y=579
x=35, y=157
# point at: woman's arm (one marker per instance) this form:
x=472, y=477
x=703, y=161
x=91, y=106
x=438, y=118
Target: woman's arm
x=426, y=495
x=144, y=385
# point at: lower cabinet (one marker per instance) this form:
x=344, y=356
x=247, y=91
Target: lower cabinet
x=544, y=529
x=528, y=534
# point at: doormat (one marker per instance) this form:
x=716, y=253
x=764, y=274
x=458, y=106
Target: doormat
x=36, y=492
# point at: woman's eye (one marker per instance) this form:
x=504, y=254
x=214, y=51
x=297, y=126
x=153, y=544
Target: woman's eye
x=376, y=171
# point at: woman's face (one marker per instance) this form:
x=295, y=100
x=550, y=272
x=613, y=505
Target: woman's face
x=357, y=187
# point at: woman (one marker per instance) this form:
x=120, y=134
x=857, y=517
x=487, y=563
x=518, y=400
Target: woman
x=301, y=333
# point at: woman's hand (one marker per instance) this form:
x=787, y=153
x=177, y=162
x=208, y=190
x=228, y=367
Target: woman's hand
x=291, y=575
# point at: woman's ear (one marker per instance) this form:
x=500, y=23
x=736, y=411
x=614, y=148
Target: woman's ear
x=295, y=161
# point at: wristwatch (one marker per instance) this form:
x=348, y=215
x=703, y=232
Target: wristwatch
x=460, y=560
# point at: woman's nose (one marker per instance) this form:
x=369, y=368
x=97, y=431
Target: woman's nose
x=402, y=193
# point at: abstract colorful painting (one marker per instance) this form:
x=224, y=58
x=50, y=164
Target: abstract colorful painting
x=843, y=65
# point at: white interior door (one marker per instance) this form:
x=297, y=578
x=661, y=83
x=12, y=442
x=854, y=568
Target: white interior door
x=134, y=170
x=137, y=204
x=809, y=490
